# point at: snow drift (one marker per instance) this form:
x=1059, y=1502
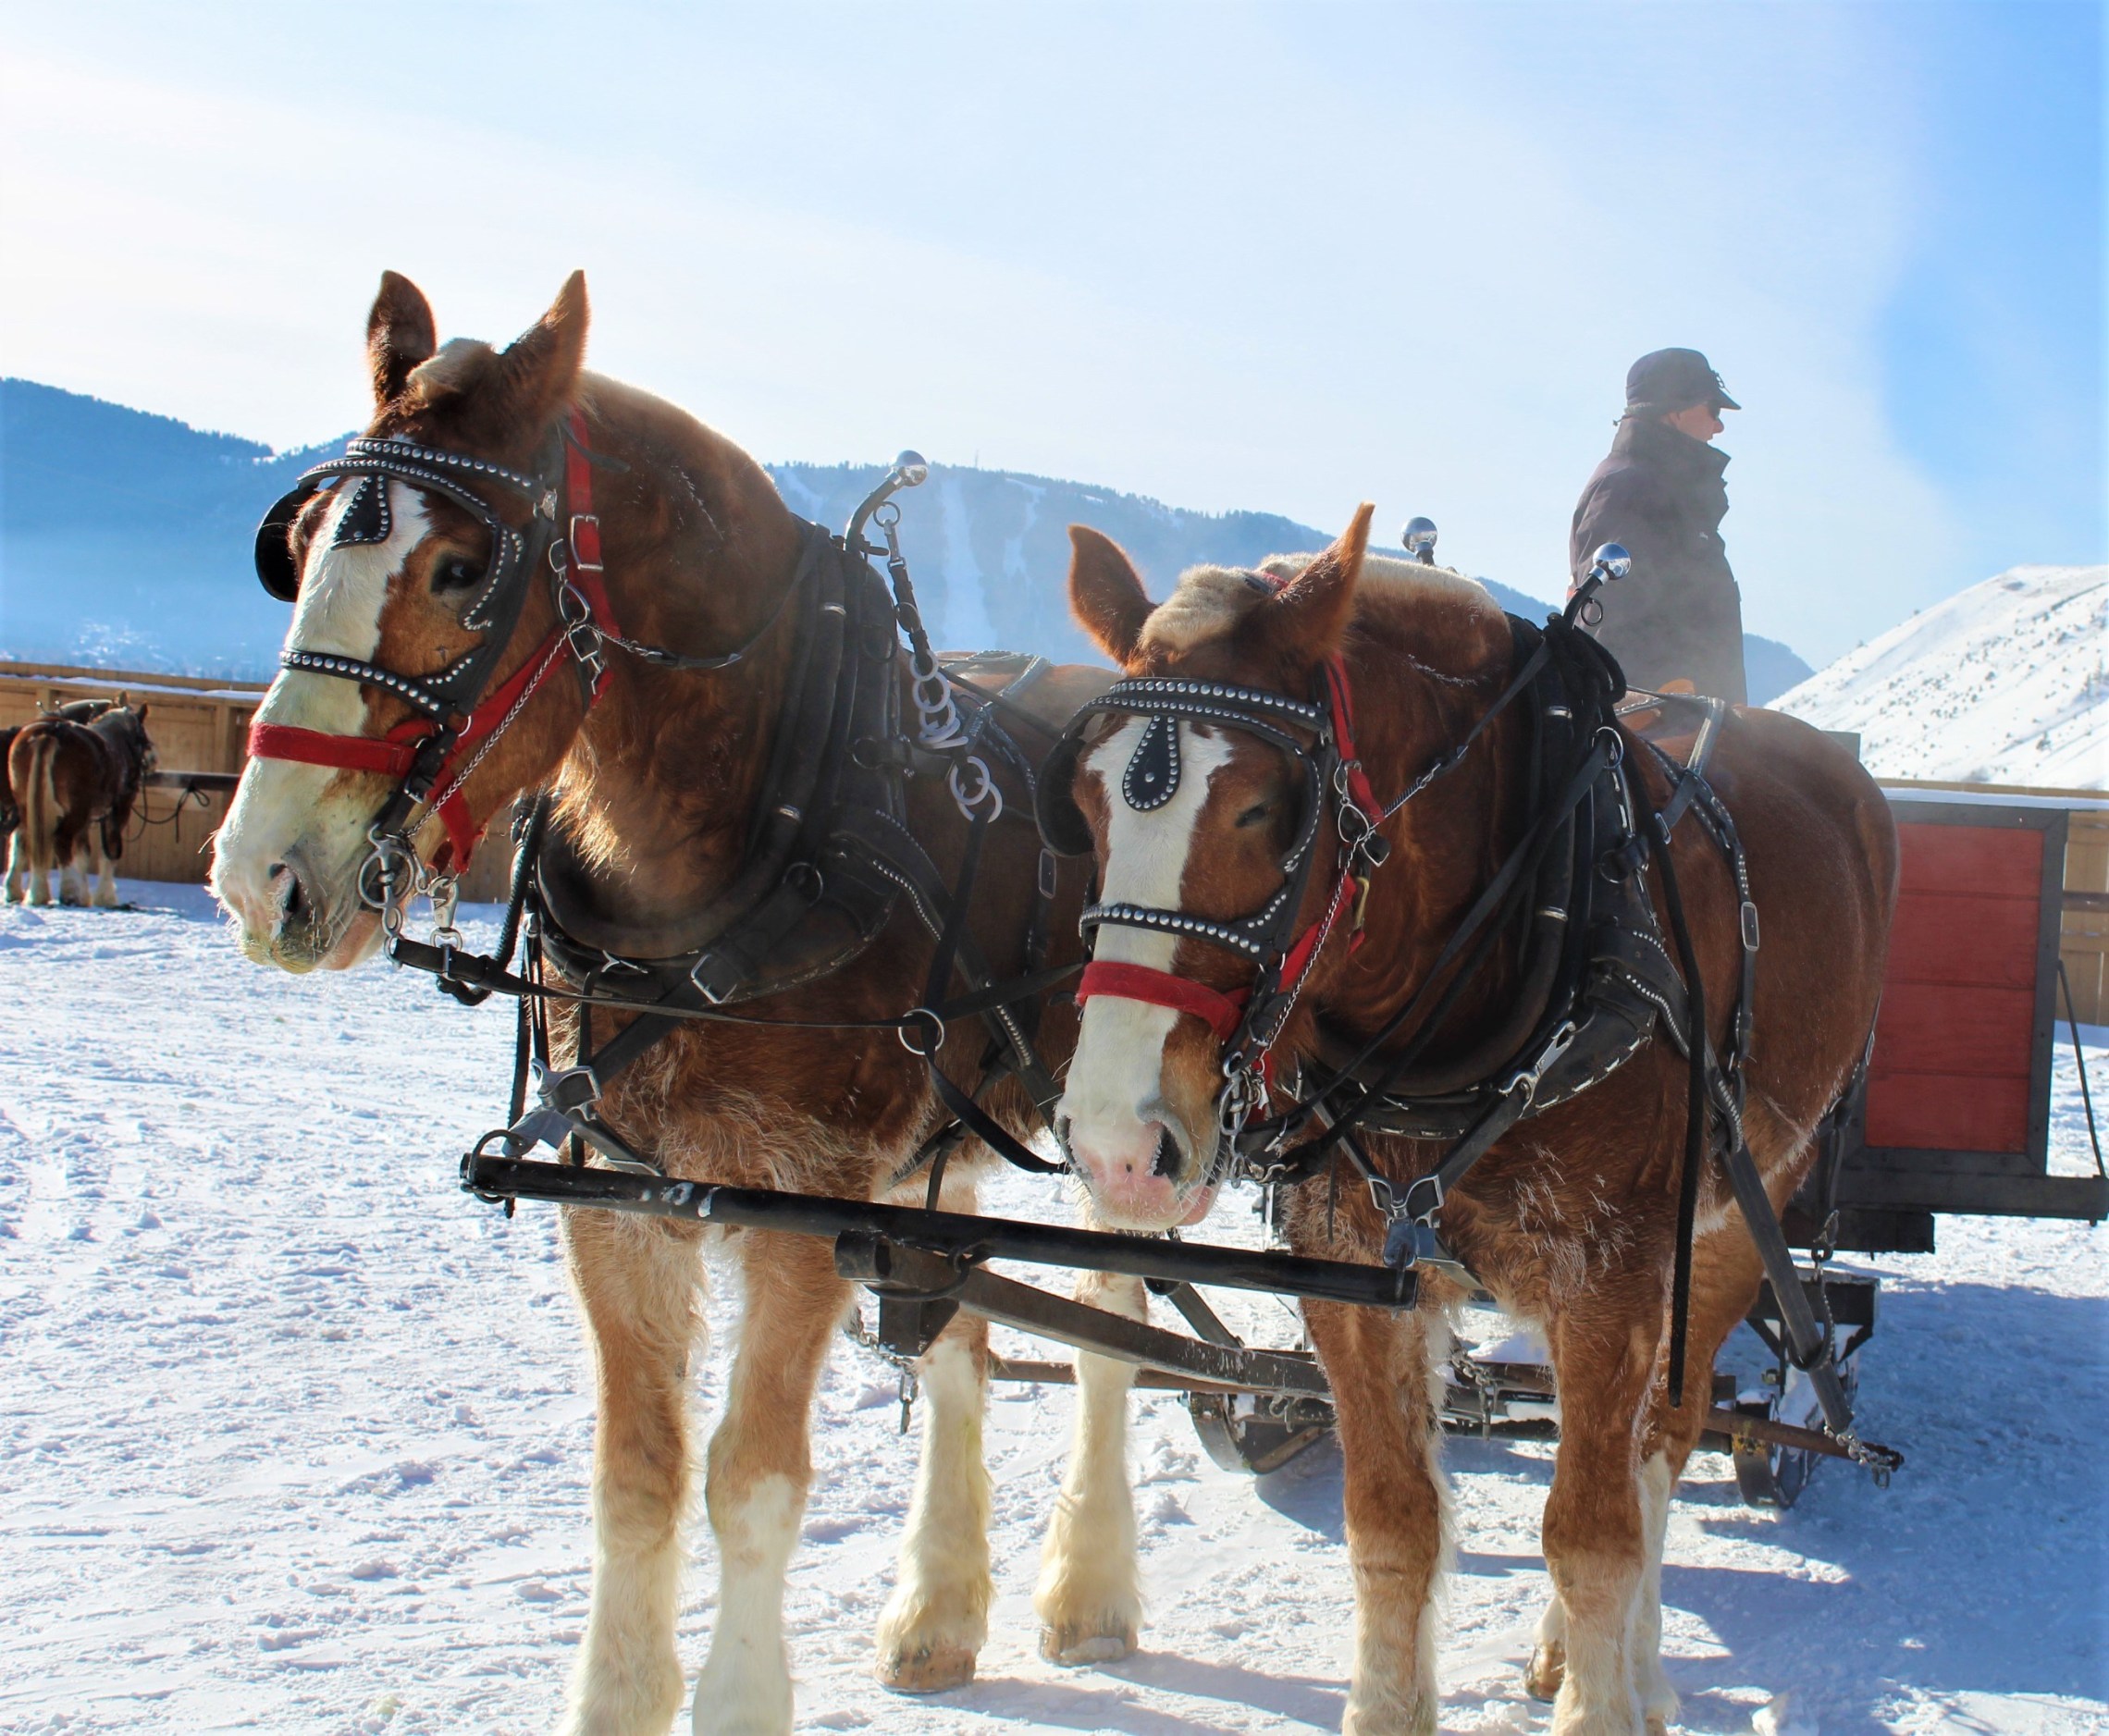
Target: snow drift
x=2006, y=683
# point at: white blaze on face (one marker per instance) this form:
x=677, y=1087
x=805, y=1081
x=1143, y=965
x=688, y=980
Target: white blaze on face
x=1115, y=1083
x=282, y=803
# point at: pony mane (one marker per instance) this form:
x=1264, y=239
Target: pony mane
x=1210, y=602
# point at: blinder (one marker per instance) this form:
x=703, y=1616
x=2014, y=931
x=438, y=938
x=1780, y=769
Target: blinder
x=1062, y=826
x=274, y=569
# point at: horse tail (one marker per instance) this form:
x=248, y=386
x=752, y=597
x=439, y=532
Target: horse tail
x=40, y=803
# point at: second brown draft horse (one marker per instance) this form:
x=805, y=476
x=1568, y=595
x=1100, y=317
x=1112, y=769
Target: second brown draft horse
x=1262, y=930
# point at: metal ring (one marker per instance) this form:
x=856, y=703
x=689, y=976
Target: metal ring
x=985, y=791
x=907, y=1026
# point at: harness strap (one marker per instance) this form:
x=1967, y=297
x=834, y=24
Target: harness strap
x=582, y=533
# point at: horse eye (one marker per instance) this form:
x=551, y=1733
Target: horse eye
x=1256, y=813
x=457, y=573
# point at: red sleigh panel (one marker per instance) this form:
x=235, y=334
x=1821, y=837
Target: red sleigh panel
x=1955, y=1048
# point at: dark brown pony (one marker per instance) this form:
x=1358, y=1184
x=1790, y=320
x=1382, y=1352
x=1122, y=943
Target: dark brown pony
x=656, y=789
x=1570, y=1219
x=74, y=711
x=75, y=777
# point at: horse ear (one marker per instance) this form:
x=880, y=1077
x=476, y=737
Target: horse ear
x=1310, y=616
x=399, y=333
x=539, y=371
x=1105, y=595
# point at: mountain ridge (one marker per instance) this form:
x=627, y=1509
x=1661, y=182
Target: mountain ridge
x=125, y=541
x=2006, y=681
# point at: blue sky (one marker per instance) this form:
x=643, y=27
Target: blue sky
x=1278, y=257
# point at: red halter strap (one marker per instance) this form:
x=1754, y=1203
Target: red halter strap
x=394, y=754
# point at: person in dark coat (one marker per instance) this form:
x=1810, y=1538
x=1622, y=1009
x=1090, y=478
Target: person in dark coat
x=1677, y=615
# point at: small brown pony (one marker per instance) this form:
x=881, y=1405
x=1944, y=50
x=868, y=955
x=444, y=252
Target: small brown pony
x=75, y=777
x=656, y=788
x=1570, y=1219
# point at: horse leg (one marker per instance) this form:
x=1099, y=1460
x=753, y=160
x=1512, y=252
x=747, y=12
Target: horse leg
x=103, y=871
x=106, y=870
x=1543, y=1674
x=1090, y=1596
x=933, y=1625
x=1604, y=1349
x=760, y=1468
x=1398, y=1512
x=1725, y=1271
x=639, y=1284
x=71, y=850
x=18, y=866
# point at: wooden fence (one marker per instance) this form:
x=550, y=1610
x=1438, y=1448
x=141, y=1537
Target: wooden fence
x=198, y=724
x=203, y=725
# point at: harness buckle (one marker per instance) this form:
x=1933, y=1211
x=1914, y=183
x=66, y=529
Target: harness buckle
x=1749, y=926
x=578, y=559
x=568, y=1088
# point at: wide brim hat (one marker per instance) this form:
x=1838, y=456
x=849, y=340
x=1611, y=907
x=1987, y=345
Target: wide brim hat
x=1665, y=381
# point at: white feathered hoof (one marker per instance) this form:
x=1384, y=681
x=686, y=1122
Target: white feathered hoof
x=1105, y=1642
x=926, y=1669
x=1545, y=1672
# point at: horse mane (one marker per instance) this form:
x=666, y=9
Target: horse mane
x=1395, y=600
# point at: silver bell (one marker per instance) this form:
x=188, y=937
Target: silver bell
x=911, y=468
x=1419, y=540
x=1611, y=561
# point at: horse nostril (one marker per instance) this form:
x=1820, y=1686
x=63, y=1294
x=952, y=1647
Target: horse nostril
x=1166, y=1163
x=294, y=898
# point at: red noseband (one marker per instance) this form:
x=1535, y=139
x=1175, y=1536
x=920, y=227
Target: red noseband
x=1221, y=1012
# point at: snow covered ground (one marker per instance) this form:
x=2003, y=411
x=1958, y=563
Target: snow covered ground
x=294, y=1439
x=2005, y=683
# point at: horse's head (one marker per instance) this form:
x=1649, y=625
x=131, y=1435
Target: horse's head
x=125, y=724
x=416, y=599
x=1197, y=826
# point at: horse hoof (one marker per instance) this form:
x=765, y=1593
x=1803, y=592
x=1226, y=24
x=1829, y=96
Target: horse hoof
x=929, y=1669
x=1545, y=1672
x=1074, y=1647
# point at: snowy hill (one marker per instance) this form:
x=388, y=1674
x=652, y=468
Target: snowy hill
x=2006, y=683
x=125, y=541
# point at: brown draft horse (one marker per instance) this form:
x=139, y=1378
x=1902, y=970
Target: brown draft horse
x=75, y=777
x=1570, y=1219
x=655, y=784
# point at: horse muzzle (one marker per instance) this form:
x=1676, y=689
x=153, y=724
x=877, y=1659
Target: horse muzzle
x=1142, y=1173
x=294, y=917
